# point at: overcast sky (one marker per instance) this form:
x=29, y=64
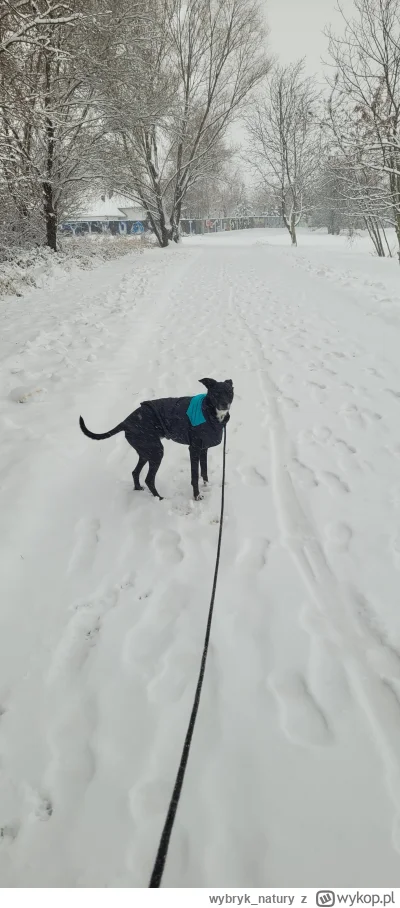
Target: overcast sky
x=295, y=31
x=296, y=28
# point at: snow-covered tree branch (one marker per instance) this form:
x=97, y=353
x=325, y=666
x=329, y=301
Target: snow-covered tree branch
x=28, y=21
x=205, y=59
x=364, y=108
x=284, y=141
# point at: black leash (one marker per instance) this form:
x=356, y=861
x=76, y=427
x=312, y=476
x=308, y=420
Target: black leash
x=159, y=864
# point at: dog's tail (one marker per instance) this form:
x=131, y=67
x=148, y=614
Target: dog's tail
x=89, y=434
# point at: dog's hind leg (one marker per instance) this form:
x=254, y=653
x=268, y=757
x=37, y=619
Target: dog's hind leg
x=136, y=473
x=154, y=458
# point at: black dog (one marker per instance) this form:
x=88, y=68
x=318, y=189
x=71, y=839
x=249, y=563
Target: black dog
x=194, y=421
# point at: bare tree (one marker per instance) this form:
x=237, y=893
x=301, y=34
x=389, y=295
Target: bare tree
x=206, y=57
x=350, y=198
x=284, y=141
x=221, y=194
x=329, y=208
x=51, y=122
x=233, y=193
x=135, y=96
x=365, y=102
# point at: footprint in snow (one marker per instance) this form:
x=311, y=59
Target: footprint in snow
x=25, y=395
x=317, y=391
x=334, y=482
x=338, y=536
x=288, y=403
x=317, y=435
x=148, y=797
x=80, y=636
x=87, y=537
x=174, y=677
x=251, y=476
x=168, y=548
x=326, y=672
x=343, y=447
x=371, y=417
x=253, y=554
x=128, y=582
x=183, y=508
x=303, y=475
x=395, y=394
x=353, y=416
x=144, y=649
x=301, y=719
x=8, y=833
x=322, y=434
x=39, y=804
x=382, y=654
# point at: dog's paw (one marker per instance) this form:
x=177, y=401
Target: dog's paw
x=198, y=497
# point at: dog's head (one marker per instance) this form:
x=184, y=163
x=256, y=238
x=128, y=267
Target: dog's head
x=220, y=395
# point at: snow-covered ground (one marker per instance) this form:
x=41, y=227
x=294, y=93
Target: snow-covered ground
x=24, y=269
x=294, y=773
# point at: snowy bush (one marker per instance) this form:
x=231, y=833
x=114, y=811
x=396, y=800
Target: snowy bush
x=20, y=268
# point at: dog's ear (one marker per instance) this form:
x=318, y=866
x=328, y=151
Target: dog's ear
x=228, y=381
x=208, y=382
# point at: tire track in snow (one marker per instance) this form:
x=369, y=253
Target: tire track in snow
x=375, y=695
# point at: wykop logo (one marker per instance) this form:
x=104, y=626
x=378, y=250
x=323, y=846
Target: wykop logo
x=325, y=898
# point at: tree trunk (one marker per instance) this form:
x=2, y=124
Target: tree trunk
x=157, y=217
x=48, y=191
x=397, y=228
x=165, y=236
x=50, y=216
x=394, y=182
x=160, y=228
x=374, y=232
x=176, y=229
x=176, y=215
x=292, y=230
x=387, y=242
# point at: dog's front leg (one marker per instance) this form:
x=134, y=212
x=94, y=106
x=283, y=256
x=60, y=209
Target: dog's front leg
x=194, y=464
x=203, y=465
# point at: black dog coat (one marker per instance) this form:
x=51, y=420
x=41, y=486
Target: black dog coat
x=182, y=419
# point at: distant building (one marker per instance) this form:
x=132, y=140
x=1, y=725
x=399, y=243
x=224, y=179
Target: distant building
x=111, y=213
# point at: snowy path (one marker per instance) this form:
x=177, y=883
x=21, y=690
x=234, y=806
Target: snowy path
x=294, y=774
